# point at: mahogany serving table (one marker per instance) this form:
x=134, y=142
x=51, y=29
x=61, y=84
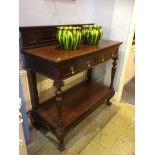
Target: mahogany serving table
x=64, y=111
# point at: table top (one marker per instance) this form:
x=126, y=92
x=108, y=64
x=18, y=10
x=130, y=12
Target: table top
x=56, y=54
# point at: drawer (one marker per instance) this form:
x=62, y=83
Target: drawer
x=71, y=69
x=108, y=54
x=104, y=56
x=78, y=65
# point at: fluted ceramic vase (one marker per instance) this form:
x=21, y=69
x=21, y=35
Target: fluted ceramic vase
x=69, y=37
x=91, y=34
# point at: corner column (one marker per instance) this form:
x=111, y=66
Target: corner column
x=32, y=81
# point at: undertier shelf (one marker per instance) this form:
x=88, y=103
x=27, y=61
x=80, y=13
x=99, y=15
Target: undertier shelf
x=78, y=102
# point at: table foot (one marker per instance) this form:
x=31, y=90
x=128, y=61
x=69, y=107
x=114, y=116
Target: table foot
x=60, y=137
x=108, y=102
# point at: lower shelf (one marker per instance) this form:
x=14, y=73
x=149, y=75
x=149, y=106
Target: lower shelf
x=78, y=102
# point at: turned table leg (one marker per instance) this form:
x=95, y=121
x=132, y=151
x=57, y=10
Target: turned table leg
x=59, y=101
x=89, y=74
x=113, y=71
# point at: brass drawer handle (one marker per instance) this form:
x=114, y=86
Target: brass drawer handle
x=72, y=69
x=88, y=63
x=102, y=57
x=113, y=55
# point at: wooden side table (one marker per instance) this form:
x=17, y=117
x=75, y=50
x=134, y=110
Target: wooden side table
x=64, y=111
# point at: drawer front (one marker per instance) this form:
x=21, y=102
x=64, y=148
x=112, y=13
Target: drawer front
x=108, y=54
x=103, y=56
x=70, y=68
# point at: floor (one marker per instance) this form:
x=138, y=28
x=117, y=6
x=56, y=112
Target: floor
x=107, y=131
x=128, y=94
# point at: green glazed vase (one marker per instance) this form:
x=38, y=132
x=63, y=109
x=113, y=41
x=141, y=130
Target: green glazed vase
x=69, y=37
x=91, y=34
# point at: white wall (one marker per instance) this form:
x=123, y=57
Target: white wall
x=115, y=17
x=48, y=12
x=103, y=15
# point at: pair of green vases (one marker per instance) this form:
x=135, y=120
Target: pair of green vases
x=70, y=37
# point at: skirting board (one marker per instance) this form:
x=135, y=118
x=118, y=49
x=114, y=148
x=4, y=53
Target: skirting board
x=116, y=97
